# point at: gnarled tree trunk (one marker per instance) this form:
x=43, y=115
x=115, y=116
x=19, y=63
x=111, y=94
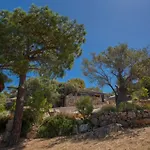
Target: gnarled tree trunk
x=17, y=124
x=122, y=95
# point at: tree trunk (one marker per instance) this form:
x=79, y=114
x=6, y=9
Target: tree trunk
x=15, y=134
x=122, y=95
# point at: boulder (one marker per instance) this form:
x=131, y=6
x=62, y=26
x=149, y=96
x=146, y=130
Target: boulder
x=83, y=128
x=95, y=121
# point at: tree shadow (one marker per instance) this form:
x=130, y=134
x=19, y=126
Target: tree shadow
x=81, y=138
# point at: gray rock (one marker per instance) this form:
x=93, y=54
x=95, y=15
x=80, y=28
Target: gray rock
x=145, y=114
x=131, y=115
x=83, y=128
x=123, y=123
x=95, y=121
x=104, y=131
x=104, y=123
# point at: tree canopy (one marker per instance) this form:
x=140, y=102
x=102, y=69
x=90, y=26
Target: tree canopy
x=115, y=63
x=77, y=82
x=39, y=40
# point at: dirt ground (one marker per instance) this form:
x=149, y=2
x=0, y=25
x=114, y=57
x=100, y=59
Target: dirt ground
x=137, y=139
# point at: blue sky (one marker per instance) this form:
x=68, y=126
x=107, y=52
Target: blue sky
x=107, y=22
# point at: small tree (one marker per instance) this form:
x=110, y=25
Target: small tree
x=41, y=93
x=115, y=64
x=84, y=106
x=77, y=82
x=37, y=40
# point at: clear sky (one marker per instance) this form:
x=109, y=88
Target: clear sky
x=107, y=22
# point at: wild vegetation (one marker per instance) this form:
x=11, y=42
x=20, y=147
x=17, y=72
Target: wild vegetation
x=43, y=48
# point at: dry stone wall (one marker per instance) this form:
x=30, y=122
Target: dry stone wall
x=126, y=119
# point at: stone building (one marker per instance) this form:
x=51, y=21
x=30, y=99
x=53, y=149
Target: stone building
x=97, y=97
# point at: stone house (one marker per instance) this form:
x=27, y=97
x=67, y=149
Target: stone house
x=97, y=97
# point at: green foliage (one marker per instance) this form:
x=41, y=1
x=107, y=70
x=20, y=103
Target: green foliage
x=41, y=93
x=4, y=117
x=84, y=106
x=56, y=126
x=126, y=106
x=145, y=82
x=120, y=62
x=40, y=39
x=140, y=94
x=77, y=82
x=146, y=106
x=107, y=109
x=2, y=102
x=65, y=89
x=30, y=117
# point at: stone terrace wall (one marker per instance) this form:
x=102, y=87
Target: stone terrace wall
x=126, y=119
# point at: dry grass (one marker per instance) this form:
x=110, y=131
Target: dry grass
x=137, y=139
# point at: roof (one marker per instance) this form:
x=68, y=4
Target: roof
x=89, y=92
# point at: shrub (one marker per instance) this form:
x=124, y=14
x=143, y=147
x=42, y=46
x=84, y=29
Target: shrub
x=4, y=117
x=2, y=102
x=146, y=106
x=107, y=108
x=84, y=106
x=140, y=94
x=29, y=118
x=126, y=106
x=56, y=126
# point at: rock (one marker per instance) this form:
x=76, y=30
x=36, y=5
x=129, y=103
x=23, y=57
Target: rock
x=83, y=128
x=139, y=115
x=123, y=123
x=131, y=115
x=145, y=114
x=104, y=131
x=123, y=115
x=103, y=123
x=95, y=121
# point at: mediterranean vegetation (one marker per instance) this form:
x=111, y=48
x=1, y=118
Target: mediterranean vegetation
x=43, y=42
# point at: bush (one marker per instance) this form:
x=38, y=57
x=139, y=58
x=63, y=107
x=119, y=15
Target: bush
x=84, y=106
x=56, y=126
x=146, y=106
x=107, y=108
x=4, y=117
x=140, y=94
x=126, y=106
x=29, y=118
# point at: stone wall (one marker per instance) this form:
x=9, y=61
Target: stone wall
x=126, y=119
x=72, y=99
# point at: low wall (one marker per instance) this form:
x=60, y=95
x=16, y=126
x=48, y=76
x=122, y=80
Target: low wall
x=126, y=119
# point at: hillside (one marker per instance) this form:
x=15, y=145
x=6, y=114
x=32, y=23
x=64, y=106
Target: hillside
x=133, y=139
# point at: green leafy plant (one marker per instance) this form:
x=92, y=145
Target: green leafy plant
x=146, y=106
x=40, y=41
x=84, y=106
x=126, y=106
x=56, y=126
x=30, y=117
